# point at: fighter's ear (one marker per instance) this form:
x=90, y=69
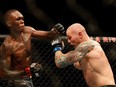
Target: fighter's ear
x=8, y=23
x=80, y=33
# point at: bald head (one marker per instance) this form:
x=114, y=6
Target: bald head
x=75, y=28
x=76, y=34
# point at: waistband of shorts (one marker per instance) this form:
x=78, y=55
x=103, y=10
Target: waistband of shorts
x=109, y=86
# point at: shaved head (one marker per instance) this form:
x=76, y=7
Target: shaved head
x=76, y=34
x=75, y=28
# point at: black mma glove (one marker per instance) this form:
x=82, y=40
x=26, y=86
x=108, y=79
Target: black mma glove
x=57, y=44
x=59, y=28
x=34, y=70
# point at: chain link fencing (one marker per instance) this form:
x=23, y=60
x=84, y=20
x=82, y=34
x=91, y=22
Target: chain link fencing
x=52, y=76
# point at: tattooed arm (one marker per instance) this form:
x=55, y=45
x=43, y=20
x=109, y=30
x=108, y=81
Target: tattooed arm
x=63, y=60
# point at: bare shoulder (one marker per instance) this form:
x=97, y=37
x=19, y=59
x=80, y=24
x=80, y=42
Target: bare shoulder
x=97, y=51
x=28, y=29
x=8, y=39
x=7, y=43
x=87, y=45
x=98, y=47
x=83, y=44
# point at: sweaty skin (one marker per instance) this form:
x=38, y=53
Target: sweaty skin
x=93, y=62
x=15, y=51
x=16, y=54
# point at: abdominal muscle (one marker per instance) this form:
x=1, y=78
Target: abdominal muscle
x=20, y=58
x=92, y=78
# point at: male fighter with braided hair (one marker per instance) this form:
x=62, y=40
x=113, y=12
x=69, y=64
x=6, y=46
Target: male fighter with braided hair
x=16, y=63
x=87, y=56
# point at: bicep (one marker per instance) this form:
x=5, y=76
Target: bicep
x=75, y=56
x=80, y=52
x=5, y=56
x=35, y=33
x=41, y=34
x=5, y=63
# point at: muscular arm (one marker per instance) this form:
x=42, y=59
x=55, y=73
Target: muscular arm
x=63, y=60
x=5, y=62
x=40, y=34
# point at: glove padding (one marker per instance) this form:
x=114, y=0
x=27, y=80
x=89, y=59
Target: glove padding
x=59, y=28
x=36, y=69
x=57, y=44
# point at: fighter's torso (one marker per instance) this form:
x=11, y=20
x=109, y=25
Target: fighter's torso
x=21, y=52
x=96, y=71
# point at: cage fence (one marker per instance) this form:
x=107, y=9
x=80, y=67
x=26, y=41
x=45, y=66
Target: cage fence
x=51, y=76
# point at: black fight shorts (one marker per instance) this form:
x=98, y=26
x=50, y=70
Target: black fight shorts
x=25, y=82
x=109, y=86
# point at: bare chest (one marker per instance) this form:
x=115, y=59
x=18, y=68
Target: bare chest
x=20, y=56
x=85, y=65
x=18, y=48
x=22, y=47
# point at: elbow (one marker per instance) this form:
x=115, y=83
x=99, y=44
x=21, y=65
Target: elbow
x=61, y=65
x=77, y=66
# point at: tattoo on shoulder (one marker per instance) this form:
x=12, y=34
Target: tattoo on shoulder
x=80, y=52
x=85, y=46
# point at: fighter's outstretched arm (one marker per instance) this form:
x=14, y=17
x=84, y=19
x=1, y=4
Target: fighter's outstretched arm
x=56, y=31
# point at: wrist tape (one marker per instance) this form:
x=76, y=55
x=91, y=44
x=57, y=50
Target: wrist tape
x=28, y=72
x=57, y=49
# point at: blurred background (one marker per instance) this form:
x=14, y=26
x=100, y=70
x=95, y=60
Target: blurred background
x=98, y=16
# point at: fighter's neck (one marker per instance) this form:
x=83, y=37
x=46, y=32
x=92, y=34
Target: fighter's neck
x=86, y=38
x=17, y=36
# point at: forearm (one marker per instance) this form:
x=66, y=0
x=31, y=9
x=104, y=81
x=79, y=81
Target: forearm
x=55, y=32
x=14, y=73
x=42, y=34
x=9, y=74
x=61, y=60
